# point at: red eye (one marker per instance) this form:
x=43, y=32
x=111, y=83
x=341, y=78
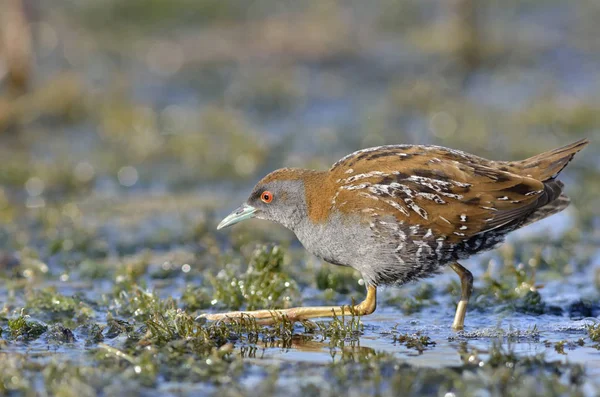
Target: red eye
x=266, y=197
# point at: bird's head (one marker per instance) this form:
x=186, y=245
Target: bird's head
x=279, y=197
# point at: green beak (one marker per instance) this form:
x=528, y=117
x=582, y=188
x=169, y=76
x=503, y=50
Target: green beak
x=244, y=212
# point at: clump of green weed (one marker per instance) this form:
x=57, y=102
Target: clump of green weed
x=560, y=346
x=594, y=332
x=195, y=298
x=514, y=288
x=532, y=303
x=174, y=324
x=341, y=327
x=132, y=270
x=54, y=306
x=59, y=334
x=264, y=285
x=421, y=298
x=22, y=327
x=92, y=333
x=139, y=304
x=416, y=341
x=340, y=280
x=582, y=308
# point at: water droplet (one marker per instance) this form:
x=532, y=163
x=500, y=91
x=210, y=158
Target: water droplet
x=128, y=176
x=34, y=186
x=84, y=172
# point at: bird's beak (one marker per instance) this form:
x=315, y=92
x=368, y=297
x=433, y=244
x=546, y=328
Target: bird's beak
x=244, y=212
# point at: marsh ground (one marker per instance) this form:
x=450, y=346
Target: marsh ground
x=144, y=122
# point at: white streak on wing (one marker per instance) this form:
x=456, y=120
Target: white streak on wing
x=428, y=181
x=397, y=206
x=463, y=217
x=355, y=187
x=533, y=192
x=349, y=171
x=364, y=176
x=420, y=211
x=444, y=219
x=428, y=234
x=335, y=196
x=438, y=185
x=432, y=196
x=367, y=195
x=489, y=208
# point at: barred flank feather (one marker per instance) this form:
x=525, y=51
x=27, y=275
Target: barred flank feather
x=554, y=207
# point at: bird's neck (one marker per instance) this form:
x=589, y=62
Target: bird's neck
x=318, y=192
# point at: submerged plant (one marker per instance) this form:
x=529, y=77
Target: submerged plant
x=416, y=341
x=27, y=329
x=594, y=332
x=55, y=306
x=264, y=285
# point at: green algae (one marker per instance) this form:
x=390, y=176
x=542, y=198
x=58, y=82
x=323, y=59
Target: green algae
x=21, y=327
x=264, y=285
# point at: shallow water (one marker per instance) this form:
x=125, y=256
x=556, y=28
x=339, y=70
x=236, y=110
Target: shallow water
x=136, y=137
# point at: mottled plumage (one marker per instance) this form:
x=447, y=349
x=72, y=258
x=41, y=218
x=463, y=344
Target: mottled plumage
x=398, y=213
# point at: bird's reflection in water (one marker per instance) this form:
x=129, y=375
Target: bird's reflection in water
x=339, y=350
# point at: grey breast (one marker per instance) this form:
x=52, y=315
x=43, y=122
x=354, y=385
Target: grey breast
x=343, y=241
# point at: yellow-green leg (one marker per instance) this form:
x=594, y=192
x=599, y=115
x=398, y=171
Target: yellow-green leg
x=466, y=288
x=364, y=308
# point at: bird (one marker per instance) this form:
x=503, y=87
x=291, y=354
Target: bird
x=400, y=213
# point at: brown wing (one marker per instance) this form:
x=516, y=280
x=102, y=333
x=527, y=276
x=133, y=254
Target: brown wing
x=435, y=190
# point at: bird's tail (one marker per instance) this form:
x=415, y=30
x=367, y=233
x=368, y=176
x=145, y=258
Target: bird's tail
x=546, y=166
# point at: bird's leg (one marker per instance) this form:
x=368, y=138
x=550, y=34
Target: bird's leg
x=302, y=313
x=466, y=287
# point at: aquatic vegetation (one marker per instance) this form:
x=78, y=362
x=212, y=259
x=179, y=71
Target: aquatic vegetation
x=420, y=298
x=342, y=281
x=342, y=327
x=594, y=332
x=26, y=329
x=264, y=285
x=115, y=173
x=55, y=306
x=417, y=341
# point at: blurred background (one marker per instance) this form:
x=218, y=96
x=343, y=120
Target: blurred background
x=132, y=125
x=136, y=125
x=129, y=128
x=110, y=98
